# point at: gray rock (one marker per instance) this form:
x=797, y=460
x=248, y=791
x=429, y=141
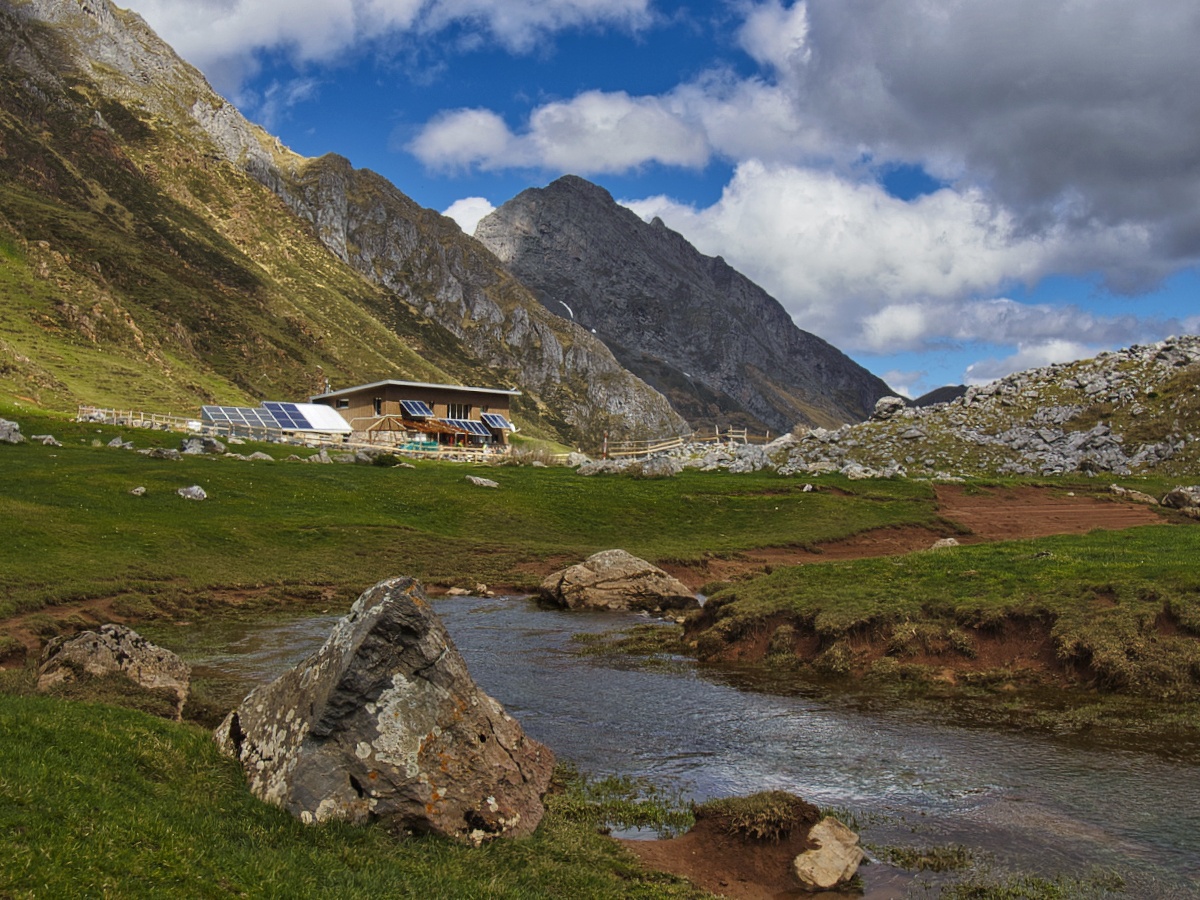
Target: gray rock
x=482, y=482
x=162, y=453
x=48, y=440
x=1183, y=498
x=115, y=649
x=261, y=457
x=194, y=446
x=10, y=432
x=887, y=408
x=383, y=722
x=615, y=579
x=833, y=861
x=138, y=491
x=657, y=467
x=194, y=492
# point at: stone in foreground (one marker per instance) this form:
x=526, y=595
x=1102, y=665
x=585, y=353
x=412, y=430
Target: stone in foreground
x=384, y=722
x=833, y=861
x=111, y=650
x=615, y=579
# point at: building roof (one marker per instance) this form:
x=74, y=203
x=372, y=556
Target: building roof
x=413, y=384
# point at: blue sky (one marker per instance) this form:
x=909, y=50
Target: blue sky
x=947, y=190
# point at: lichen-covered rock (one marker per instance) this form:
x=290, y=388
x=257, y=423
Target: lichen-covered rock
x=115, y=649
x=384, y=722
x=192, y=492
x=833, y=861
x=615, y=579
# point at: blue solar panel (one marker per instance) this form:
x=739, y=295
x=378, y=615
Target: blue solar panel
x=470, y=426
x=497, y=421
x=416, y=409
x=238, y=415
x=288, y=416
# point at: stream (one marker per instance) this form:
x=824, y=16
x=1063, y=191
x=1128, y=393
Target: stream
x=1023, y=803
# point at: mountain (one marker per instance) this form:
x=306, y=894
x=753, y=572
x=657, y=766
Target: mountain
x=158, y=251
x=717, y=345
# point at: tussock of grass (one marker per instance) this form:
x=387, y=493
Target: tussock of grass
x=765, y=816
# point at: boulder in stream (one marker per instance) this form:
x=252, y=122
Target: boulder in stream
x=615, y=579
x=384, y=722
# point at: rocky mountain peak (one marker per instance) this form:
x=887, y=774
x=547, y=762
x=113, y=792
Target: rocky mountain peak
x=717, y=345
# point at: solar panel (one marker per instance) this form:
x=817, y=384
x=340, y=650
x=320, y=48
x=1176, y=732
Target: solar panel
x=288, y=416
x=416, y=409
x=248, y=417
x=497, y=421
x=470, y=426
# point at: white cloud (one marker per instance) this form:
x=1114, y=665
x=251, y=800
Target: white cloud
x=1029, y=356
x=468, y=211
x=594, y=132
x=223, y=37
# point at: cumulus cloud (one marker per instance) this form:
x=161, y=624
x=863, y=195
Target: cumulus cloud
x=594, y=132
x=468, y=211
x=223, y=37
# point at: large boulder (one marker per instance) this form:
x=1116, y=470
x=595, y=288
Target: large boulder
x=833, y=861
x=1186, y=499
x=384, y=722
x=614, y=579
x=115, y=649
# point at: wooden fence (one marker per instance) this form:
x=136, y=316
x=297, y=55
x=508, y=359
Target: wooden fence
x=626, y=449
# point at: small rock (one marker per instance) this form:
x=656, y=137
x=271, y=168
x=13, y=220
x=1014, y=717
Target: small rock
x=482, y=482
x=138, y=491
x=944, y=543
x=48, y=439
x=195, y=492
x=833, y=861
x=10, y=433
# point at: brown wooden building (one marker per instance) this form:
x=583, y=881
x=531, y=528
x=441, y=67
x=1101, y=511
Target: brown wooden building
x=420, y=413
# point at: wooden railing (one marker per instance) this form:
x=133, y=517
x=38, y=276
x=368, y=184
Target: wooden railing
x=624, y=449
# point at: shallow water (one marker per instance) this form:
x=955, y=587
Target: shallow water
x=1031, y=803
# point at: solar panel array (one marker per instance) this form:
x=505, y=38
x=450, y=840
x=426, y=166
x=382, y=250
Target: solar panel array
x=239, y=415
x=288, y=416
x=416, y=409
x=470, y=426
x=497, y=421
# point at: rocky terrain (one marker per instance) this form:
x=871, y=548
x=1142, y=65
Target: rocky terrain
x=717, y=345
x=1133, y=411
x=163, y=252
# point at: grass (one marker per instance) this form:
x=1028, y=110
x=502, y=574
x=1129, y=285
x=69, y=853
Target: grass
x=101, y=801
x=84, y=536
x=1122, y=608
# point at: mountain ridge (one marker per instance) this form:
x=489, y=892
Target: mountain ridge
x=723, y=350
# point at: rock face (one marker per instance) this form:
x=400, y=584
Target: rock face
x=717, y=345
x=835, y=859
x=115, y=649
x=384, y=722
x=615, y=579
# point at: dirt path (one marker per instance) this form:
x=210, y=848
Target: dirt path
x=1001, y=514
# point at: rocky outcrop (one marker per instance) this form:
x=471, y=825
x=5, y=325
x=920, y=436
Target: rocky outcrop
x=115, y=650
x=616, y=580
x=384, y=722
x=1184, y=499
x=1132, y=411
x=721, y=349
x=833, y=861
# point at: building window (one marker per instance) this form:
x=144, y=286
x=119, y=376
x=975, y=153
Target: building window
x=458, y=411
x=343, y=404
x=379, y=406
